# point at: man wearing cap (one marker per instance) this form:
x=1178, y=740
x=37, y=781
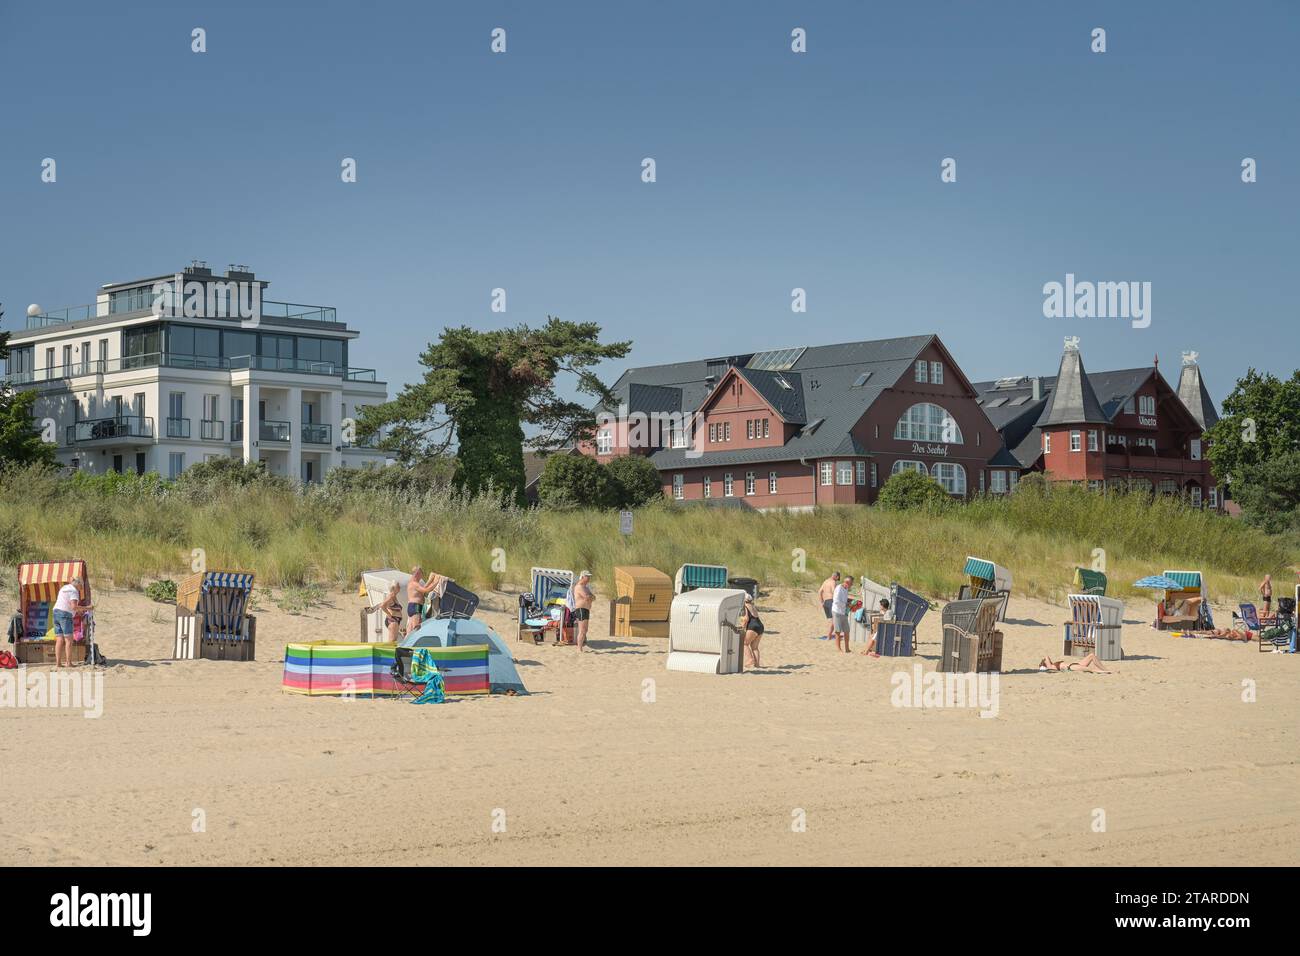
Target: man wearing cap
x=583, y=597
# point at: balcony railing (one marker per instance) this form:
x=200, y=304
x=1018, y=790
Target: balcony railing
x=270, y=310
x=212, y=429
x=237, y=430
x=1155, y=464
x=178, y=428
x=273, y=431
x=129, y=427
x=61, y=373
x=317, y=434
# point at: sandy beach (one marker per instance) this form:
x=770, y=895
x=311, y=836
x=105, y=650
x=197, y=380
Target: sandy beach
x=806, y=761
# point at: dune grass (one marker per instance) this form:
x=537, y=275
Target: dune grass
x=134, y=532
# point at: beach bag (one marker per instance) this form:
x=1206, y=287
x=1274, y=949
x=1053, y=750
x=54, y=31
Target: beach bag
x=7, y=661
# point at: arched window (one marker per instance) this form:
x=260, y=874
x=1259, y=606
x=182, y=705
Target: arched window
x=902, y=465
x=926, y=422
x=951, y=476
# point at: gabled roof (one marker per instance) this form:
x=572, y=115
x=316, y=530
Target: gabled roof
x=1073, y=401
x=822, y=398
x=1193, y=393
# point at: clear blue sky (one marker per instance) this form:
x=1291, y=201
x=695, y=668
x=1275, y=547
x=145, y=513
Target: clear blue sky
x=775, y=170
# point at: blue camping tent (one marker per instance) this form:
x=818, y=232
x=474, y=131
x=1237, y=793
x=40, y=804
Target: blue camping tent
x=457, y=632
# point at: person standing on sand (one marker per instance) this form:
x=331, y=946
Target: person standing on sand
x=416, y=592
x=752, y=627
x=1266, y=594
x=583, y=597
x=68, y=606
x=392, y=608
x=840, y=613
x=826, y=594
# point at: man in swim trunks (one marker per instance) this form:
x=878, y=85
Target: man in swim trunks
x=826, y=594
x=583, y=597
x=416, y=591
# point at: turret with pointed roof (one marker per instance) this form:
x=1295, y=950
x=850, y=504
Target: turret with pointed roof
x=1193, y=393
x=1072, y=402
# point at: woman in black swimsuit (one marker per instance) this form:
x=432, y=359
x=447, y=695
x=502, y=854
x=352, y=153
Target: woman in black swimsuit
x=753, y=628
x=392, y=608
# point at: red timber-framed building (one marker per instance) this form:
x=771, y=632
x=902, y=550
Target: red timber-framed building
x=815, y=425
x=1121, y=429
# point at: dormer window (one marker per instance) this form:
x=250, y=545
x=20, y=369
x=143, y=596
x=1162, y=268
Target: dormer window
x=922, y=370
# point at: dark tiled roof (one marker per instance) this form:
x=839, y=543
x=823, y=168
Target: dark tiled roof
x=822, y=397
x=1073, y=401
x=1192, y=391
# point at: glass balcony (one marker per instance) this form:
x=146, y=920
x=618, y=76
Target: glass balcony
x=178, y=428
x=273, y=431
x=60, y=373
x=174, y=305
x=131, y=429
x=237, y=430
x=317, y=434
x=212, y=429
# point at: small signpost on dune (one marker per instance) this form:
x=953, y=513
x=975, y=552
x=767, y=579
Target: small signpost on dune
x=625, y=522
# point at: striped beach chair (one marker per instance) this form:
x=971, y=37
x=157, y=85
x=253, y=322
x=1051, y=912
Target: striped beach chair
x=1095, y=627
x=212, y=619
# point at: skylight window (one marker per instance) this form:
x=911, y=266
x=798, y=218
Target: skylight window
x=781, y=380
x=861, y=380
x=1020, y=400
x=777, y=360
x=1012, y=381
x=996, y=403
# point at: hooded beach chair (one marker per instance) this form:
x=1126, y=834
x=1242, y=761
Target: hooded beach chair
x=1095, y=627
x=1185, y=607
x=860, y=622
x=550, y=589
x=1087, y=581
x=692, y=576
x=33, y=626
x=986, y=579
x=971, y=641
x=212, y=619
x=897, y=637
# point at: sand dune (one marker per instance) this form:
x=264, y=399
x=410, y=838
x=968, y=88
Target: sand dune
x=715, y=770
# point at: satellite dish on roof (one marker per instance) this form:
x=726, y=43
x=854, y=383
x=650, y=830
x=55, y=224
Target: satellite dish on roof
x=34, y=310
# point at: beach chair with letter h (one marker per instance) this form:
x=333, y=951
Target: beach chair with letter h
x=971, y=642
x=1095, y=627
x=897, y=638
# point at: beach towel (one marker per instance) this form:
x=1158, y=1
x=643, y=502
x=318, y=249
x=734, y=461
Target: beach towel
x=425, y=671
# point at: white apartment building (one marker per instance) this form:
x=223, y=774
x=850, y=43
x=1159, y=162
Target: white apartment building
x=149, y=380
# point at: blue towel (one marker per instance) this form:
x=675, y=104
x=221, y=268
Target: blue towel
x=425, y=671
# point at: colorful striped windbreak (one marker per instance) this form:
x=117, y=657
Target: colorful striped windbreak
x=337, y=668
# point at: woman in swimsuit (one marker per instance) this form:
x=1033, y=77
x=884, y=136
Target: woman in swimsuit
x=392, y=608
x=1088, y=663
x=753, y=629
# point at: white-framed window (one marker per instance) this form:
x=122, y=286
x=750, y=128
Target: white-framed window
x=604, y=442
x=905, y=465
x=679, y=483
x=708, y=487
x=1013, y=478
x=1092, y=439
x=862, y=472
x=1196, y=496
x=1167, y=486
x=1094, y=484
x=727, y=427
x=1196, y=454
x=844, y=472
x=1047, y=444
x=678, y=439
x=875, y=475
x=1076, y=441
x=828, y=473
x=766, y=432
x=749, y=483
x=727, y=485
x=749, y=429
x=951, y=476
x=998, y=481
x=1120, y=439
x=936, y=373
x=175, y=464
x=713, y=432
x=1214, y=497
x=927, y=422
x=771, y=482
x=1146, y=405
x=922, y=368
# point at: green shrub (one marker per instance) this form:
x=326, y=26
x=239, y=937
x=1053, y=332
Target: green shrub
x=634, y=481
x=910, y=490
x=164, y=591
x=575, y=481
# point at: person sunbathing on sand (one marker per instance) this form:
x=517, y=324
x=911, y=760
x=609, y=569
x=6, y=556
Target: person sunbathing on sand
x=1088, y=663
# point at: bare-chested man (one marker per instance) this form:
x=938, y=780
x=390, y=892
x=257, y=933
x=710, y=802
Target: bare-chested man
x=583, y=597
x=416, y=591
